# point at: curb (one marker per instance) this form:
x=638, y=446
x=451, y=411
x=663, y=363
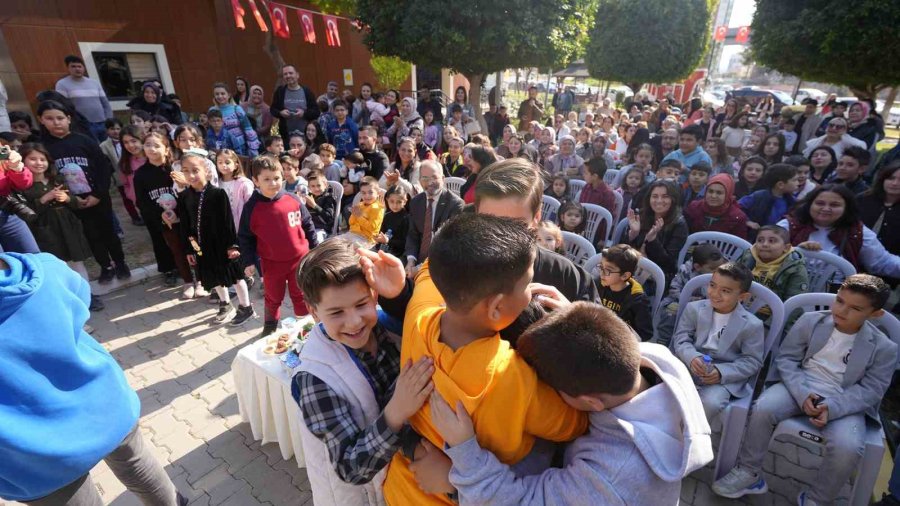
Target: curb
x=139, y=276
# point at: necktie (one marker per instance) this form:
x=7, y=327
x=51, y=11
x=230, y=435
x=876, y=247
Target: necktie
x=427, y=233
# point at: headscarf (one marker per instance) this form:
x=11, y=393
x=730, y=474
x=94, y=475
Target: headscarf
x=728, y=183
x=865, y=113
x=155, y=89
x=412, y=116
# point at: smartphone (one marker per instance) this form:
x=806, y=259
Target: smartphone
x=4, y=152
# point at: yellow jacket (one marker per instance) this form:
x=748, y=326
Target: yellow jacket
x=369, y=224
x=508, y=405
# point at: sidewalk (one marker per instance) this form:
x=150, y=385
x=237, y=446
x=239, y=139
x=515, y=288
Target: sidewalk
x=180, y=365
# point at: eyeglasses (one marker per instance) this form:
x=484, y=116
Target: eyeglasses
x=606, y=272
x=832, y=126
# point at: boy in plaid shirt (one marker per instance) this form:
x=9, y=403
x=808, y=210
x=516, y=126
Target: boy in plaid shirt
x=354, y=398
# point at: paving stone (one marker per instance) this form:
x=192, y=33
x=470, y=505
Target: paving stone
x=219, y=485
x=232, y=448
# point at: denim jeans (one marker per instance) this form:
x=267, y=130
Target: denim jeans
x=135, y=466
x=98, y=130
x=15, y=237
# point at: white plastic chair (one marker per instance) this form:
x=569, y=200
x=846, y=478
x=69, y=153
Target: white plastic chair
x=337, y=190
x=594, y=216
x=454, y=184
x=575, y=187
x=619, y=234
x=610, y=176
x=549, y=208
x=799, y=430
x=732, y=247
x=578, y=249
x=734, y=416
x=646, y=269
x=825, y=267
x=617, y=209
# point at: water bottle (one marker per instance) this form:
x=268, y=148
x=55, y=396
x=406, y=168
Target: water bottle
x=385, y=247
x=707, y=361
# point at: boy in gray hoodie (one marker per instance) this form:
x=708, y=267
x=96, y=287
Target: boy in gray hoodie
x=647, y=429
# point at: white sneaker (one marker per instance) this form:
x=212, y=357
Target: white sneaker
x=739, y=482
x=189, y=291
x=199, y=292
x=804, y=500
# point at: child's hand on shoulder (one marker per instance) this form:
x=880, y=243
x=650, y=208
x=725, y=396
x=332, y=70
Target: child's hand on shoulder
x=454, y=426
x=384, y=272
x=412, y=389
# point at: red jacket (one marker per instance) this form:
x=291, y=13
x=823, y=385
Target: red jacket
x=279, y=229
x=11, y=180
x=733, y=221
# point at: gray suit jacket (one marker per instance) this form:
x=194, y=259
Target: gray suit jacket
x=740, y=352
x=869, y=368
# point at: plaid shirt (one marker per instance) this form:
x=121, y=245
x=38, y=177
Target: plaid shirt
x=357, y=453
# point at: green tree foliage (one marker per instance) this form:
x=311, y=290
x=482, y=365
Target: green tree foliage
x=648, y=41
x=477, y=38
x=852, y=43
x=343, y=7
x=390, y=70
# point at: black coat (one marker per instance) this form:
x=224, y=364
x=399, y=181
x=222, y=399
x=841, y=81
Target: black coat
x=448, y=205
x=310, y=114
x=164, y=108
x=216, y=235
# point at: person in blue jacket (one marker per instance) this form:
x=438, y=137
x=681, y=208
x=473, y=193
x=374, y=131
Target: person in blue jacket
x=64, y=401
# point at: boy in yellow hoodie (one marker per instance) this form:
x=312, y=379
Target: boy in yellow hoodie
x=475, y=283
x=367, y=214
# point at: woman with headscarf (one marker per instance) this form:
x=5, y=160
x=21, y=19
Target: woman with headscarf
x=154, y=102
x=407, y=119
x=717, y=211
x=862, y=126
x=258, y=111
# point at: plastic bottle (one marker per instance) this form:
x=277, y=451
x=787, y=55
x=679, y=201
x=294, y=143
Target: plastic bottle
x=707, y=361
x=389, y=234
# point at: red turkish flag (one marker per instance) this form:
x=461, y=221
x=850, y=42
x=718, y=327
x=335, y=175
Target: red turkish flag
x=239, y=12
x=743, y=35
x=256, y=14
x=332, y=37
x=278, y=13
x=306, y=23
x=721, y=32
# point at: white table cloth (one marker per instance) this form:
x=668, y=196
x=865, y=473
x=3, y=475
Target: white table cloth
x=263, y=386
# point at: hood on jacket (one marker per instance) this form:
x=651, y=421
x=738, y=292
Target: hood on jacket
x=21, y=277
x=666, y=421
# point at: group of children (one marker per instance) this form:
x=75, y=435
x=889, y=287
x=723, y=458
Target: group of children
x=461, y=391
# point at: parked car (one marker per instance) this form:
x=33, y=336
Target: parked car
x=753, y=95
x=804, y=93
x=893, y=118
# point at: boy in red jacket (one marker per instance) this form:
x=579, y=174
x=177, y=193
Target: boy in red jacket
x=276, y=226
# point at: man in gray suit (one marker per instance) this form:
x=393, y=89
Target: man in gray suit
x=427, y=212
x=720, y=328
x=834, y=368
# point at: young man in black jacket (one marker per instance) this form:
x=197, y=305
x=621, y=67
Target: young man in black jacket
x=368, y=146
x=293, y=104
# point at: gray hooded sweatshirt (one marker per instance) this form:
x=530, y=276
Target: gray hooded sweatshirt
x=636, y=453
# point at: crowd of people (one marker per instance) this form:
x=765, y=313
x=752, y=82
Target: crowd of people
x=435, y=372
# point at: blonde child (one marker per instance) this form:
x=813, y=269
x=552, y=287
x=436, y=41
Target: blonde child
x=57, y=230
x=549, y=236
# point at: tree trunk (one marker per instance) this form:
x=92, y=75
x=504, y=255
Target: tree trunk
x=889, y=103
x=271, y=49
x=635, y=87
x=475, y=99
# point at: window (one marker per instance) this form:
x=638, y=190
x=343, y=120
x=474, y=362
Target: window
x=122, y=69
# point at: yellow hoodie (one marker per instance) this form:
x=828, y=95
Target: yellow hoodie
x=508, y=405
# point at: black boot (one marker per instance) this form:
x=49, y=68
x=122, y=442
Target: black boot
x=269, y=328
x=226, y=312
x=244, y=313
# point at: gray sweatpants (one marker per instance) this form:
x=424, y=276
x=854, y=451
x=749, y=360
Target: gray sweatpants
x=134, y=466
x=844, y=441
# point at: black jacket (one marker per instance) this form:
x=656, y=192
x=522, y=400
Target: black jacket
x=448, y=205
x=83, y=152
x=310, y=114
x=378, y=162
x=323, y=217
x=398, y=225
x=633, y=307
x=150, y=183
x=664, y=250
x=164, y=108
